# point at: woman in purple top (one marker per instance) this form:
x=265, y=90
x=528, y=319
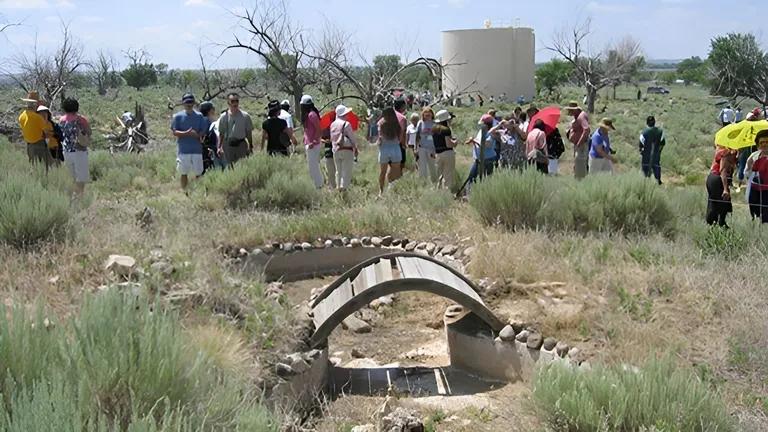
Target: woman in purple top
x=310, y=118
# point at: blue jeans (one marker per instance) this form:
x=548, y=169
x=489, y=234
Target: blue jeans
x=651, y=161
x=743, y=156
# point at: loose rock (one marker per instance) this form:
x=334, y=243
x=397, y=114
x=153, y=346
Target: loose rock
x=376, y=241
x=366, y=241
x=328, y=244
x=421, y=246
x=356, y=353
x=387, y=241
x=337, y=242
x=120, y=265
x=307, y=246
x=364, y=428
x=410, y=247
x=507, y=334
x=449, y=250
x=345, y=241
x=297, y=363
x=397, y=243
x=268, y=249
x=288, y=247
x=522, y=336
x=355, y=243
x=156, y=255
x=401, y=420
x=283, y=370
x=549, y=344
x=534, y=341
x=561, y=349
x=356, y=325
x=430, y=248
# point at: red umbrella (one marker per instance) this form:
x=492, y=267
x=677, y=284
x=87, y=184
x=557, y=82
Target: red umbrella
x=330, y=116
x=550, y=116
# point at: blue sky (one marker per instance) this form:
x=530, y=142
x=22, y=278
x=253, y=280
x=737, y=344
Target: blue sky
x=172, y=30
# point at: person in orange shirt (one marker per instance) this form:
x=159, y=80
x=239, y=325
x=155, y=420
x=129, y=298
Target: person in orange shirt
x=33, y=131
x=52, y=133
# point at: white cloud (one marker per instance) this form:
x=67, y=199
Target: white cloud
x=36, y=4
x=456, y=3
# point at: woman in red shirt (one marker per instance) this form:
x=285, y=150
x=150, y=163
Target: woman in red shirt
x=758, y=192
x=719, y=186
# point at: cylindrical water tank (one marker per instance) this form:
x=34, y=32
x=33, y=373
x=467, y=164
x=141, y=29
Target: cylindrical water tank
x=490, y=61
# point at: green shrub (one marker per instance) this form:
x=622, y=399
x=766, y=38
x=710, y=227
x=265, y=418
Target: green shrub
x=126, y=171
x=262, y=181
x=623, y=203
x=511, y=198
x=603, y=399
x=119, y=362
x=30, y=212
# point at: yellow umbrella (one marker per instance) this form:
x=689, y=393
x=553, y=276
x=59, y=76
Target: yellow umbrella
x=740, y=135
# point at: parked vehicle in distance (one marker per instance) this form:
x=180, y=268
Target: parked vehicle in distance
x=657, y=90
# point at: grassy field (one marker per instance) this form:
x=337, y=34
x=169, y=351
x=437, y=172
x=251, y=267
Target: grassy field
x=650, y=278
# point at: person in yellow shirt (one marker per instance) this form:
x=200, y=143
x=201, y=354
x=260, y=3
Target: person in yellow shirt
x=33, y=131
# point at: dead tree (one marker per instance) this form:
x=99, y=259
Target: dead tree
x=373, y=85
x=267, y=31
x=594, y=70
x=103, y=72
x=216, y=83
x=49, y=73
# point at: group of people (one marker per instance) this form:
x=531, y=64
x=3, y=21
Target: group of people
x=50, y=141
x=748, y=164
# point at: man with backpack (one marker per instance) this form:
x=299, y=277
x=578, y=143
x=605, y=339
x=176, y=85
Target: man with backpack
x=211, y=158
x=652, y=141
x=235, y=131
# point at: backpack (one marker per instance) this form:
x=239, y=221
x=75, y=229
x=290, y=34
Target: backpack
x=555, y=145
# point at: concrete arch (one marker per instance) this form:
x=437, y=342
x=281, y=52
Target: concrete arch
x=374, y=278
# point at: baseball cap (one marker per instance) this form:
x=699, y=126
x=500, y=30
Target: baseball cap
x=306, y=100
x=188, y=98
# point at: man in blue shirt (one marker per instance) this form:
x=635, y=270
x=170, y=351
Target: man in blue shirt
x=189, y=127
x=600, y=154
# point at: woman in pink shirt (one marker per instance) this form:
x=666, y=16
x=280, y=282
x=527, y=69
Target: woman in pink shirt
x=536, y=147
x=310, y=118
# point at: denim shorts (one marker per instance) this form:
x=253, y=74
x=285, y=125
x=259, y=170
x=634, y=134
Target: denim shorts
x=389, y=152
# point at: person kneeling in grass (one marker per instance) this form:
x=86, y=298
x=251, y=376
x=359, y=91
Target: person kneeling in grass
x=189, y=127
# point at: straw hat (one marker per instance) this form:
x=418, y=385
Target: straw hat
x=32, y=96
x=572, y=106
x=607, y=124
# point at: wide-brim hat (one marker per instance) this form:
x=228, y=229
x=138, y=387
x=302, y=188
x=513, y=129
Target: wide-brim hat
x=32, y=96
x=42, y=108
x=607, y=123
x=572, y=106
x=306, y=100
x=273, y=106
x=342, y=110
x=443, y=115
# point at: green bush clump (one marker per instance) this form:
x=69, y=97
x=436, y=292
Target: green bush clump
x=121, y=364
x=602, y=399
x=125, y=171
x=262, y=181
x=30, y=213
x=623, y=203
